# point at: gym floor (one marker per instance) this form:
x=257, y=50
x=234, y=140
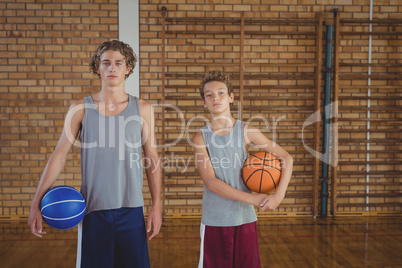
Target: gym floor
x=284, y=242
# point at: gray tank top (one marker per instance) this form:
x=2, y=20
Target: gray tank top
x=111, y=161
x=227, y=154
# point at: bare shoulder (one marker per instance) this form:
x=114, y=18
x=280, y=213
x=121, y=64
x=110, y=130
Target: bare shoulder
x=198, y=139
x=77, y=102
x=253, y=135
x=145, y=110
x=77, y=110
x=247, y=128
x=144, y=104
x=250, y=130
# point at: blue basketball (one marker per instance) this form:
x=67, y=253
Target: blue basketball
x=62, y=207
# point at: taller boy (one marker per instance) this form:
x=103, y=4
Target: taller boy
x=228, y=224
x=112, y=126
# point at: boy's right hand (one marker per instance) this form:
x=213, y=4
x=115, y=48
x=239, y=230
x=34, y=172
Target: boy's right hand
x=35, y=222
x=257, y=199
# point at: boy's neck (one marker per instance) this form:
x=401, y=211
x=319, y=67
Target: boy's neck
x=222, y=122
x=112, y=95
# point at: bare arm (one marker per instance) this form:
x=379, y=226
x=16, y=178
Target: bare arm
x=215, y=185
x=55, y=164
x=254, y=136
x=153, y=168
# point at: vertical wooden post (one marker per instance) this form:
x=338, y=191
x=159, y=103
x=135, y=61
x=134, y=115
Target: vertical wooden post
x=318, y=113
x=334, y=171
x=163, y=102
x=241, y=62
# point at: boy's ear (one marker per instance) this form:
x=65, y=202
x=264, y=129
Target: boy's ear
x=231, y=97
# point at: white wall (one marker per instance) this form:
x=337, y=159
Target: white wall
x=129, y=30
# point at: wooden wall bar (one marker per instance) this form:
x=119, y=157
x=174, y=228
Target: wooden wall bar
x=276, y=91
x=368, y=178
x=277, y=75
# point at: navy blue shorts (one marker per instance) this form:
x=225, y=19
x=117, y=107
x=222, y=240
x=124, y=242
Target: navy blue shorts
x=113, y=238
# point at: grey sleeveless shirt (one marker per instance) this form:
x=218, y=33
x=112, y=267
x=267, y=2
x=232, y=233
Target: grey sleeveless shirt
x=227, y=154
x=111, y=161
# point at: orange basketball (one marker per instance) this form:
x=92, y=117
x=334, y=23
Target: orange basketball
x=261, y=172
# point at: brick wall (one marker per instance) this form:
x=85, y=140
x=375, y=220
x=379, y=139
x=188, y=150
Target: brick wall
x=44, y=52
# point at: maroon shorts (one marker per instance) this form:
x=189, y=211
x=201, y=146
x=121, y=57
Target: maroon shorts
x=234, y=246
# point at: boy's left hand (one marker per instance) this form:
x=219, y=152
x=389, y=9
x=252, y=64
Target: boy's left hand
x=154, y=221
x=271, y=202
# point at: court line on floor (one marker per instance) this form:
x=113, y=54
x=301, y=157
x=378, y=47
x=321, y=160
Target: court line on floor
x=196, y=237
x=310, y=236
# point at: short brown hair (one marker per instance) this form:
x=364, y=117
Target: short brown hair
x=114, y=45
x=215, y=75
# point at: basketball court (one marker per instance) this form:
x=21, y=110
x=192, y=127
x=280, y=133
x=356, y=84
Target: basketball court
x=320, y=78
x=301, y=242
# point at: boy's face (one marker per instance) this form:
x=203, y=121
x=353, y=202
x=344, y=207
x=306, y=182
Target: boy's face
x=112, y=68
x=216, y=97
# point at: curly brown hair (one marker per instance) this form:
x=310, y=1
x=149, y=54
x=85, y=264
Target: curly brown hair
x=215, y=75
x=114, y=45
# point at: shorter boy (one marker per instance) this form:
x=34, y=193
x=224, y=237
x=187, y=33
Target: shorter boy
x=228, y=224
